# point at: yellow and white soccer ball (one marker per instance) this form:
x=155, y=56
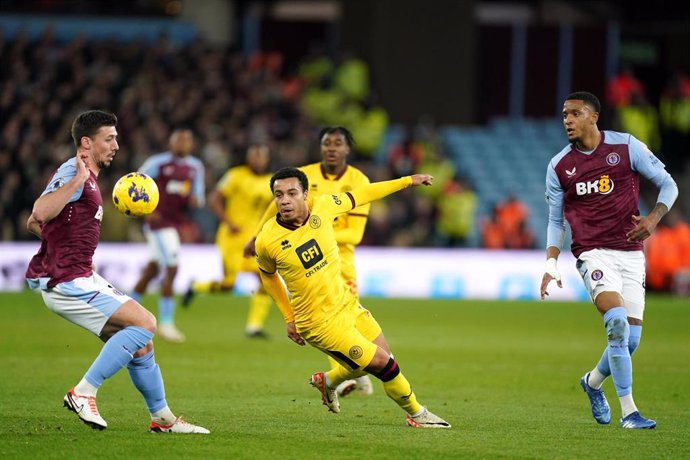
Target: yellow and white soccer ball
x=136, y=194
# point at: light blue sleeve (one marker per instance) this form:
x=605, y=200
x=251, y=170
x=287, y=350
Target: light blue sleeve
x=64, y=174
x=643, y=161
x=555, y=230
x=152, y=165
x=198, y=187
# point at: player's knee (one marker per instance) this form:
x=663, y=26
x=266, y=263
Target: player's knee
x=149, y=322
x=617, y=329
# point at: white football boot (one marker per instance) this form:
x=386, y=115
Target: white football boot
x=178, y=426
x=427, y=420
x=85, y=408
x=329, y=396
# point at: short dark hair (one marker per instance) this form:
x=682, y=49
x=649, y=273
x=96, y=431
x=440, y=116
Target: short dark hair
x=286, y=173
x=589, y=98
x=88, y=123
x=349, y=139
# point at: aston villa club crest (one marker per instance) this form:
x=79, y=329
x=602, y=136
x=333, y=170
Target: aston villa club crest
x=613, y=159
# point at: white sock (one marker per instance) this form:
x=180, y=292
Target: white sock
x=596, y=379
x=627, y=405
x=164, y=416
x=84, y=388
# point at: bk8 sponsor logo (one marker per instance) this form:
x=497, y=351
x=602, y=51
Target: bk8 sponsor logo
x=603, y=186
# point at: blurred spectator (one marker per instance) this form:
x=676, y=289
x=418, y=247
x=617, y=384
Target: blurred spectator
x=456, y=209
x=668, y=251
x=511, y=213
x=620, y=88
x=522, y=238
x=406, y=157
x=674, y=109
x=351, y=78
x=640, y=119
x=492, y=233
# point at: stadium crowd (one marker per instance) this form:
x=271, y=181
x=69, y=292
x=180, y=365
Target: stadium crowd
x=230, y=102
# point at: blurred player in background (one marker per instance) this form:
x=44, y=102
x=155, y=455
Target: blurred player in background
x=180, y=179
x=299, y=245
x=67, y=217
x=239, y=201
x=594, y=181
x=333, y=175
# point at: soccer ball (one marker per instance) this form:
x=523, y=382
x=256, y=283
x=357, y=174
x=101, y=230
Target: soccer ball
x=135, y=194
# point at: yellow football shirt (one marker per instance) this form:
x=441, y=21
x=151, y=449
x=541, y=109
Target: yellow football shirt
x=307, y=257
x=348, y=227
x=247, y=195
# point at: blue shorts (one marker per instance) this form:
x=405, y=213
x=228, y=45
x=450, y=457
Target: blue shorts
x=87, y=302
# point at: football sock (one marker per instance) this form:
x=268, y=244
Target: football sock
x=602, y=369
x=618, y=331
x=204, y=287
x=166, y=310
x=627, y=405
x=163, y=416
x=84, y=388
x=116, y=353
x=146, y=376
x=339, y=373
x=398, y=388
x=259, y=306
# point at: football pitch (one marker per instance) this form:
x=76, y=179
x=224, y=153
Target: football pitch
x=504, y=374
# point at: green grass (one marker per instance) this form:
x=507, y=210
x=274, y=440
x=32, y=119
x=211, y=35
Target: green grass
x=505, y=374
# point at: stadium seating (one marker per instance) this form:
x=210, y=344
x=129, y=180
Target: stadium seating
x=508, y=156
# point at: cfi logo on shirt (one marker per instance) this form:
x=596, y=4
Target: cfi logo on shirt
x=602, y=186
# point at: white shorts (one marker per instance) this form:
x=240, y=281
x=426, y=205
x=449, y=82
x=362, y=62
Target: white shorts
x=618, y=271
x=86, y=302
x=164, y=245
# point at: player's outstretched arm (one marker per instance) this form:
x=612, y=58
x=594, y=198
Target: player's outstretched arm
x=377, y=190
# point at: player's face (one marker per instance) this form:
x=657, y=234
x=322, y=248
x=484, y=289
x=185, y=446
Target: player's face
x=579, y=119
x=290, y=200
x=334, y=150
x=182, y=142
x=104, y=146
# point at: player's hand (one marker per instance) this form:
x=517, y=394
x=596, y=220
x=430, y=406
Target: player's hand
x=644, y=228
x=550, y=273
x=422, y=179
x=294, y=335
x=83, y=172
x=250, y=248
